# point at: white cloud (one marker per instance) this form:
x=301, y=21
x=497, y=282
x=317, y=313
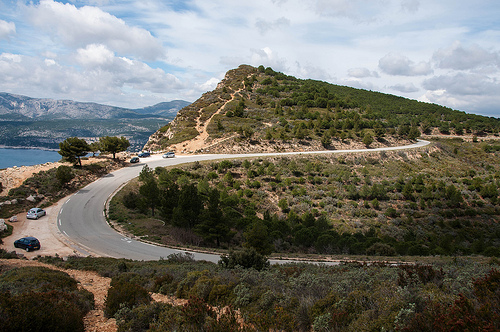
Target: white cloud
x=103, y=76
x=362, y=73
x=359, y=84
x=264, y=26
x=50, y=62
x=395, y=64
x=411, y=6
x=77, y=27
x=465, y=91
x=312, y=71
x=360, y=10
x=268, y=58
x=115, y=51
x=94, y=55
x=209, y=85
x=463, y=58
x=464, y=84
x=7, y=29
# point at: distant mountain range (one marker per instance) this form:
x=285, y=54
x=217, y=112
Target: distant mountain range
x=40, y=122
x=167, y=109
x=17, y=107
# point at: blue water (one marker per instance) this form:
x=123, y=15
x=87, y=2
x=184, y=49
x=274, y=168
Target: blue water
x=26, y=157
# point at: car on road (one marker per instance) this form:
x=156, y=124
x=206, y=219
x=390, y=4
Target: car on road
x=35, y=213
x=144, y=154
x=27, y=243
x=169, y=155
x=134, y=160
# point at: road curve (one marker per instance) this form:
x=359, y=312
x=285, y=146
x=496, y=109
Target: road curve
x=81, y=218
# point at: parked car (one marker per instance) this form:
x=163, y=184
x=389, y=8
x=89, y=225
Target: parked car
x=35, y=213
x=27, y=243
x=144, y=154
x=169, y=155
x=134, y=160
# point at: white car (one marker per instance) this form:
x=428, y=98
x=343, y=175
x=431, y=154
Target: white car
x=35, y=213
x=169, y=155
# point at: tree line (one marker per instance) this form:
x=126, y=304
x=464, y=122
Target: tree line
x=330, y=206
x=73, y=148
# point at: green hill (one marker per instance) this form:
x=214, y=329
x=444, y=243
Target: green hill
x=265, y=107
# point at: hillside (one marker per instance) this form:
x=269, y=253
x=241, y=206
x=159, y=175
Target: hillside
x=43, y=123
x=441, y=199
x=258, y=109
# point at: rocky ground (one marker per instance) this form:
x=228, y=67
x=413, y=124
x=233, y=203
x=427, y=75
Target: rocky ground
x=13, y=177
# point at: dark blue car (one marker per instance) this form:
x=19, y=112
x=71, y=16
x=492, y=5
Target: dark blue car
x=144, y=154
x=27, y=243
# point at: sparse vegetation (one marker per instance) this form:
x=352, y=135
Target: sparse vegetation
x=46, y=187
x=438, y=294
x=36, y=299
x=437, y=205
x=276, y=107
x=439, y=200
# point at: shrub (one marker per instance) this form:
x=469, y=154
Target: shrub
x=381, y=249
x=130, y=200
x=40, y=311
x=7, y=255
x=411, y=274
x=248, y=258
x=41, y=299
x=64, y=174
x=124, y=294
x=140, y=318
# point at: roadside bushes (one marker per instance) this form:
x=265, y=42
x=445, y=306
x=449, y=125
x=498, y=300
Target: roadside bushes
x=124, y=294
x=194, y=315
x=300, y=297
x=248, y=258
x=41, y=299
x=34, y=311
x=327, y=204
x=479, y=313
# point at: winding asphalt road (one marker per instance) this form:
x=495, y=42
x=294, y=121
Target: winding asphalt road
x=82, y=221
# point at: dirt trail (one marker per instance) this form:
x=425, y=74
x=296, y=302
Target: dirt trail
x=199, y=142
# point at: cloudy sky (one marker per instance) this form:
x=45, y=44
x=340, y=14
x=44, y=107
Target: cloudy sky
x=137, y=53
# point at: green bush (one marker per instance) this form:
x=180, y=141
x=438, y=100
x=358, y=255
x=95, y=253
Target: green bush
x=381, y=249
x=40, y=311
x=42, y=299
x=124, y=294
x=248, y=258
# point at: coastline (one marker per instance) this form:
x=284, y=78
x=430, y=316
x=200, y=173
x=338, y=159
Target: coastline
x=27, y=148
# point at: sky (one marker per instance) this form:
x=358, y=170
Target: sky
x=135, y=54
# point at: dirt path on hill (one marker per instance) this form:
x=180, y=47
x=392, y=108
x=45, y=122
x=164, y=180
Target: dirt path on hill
x=199, y=142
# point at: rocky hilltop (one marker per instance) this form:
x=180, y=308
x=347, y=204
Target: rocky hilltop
x=260, y=110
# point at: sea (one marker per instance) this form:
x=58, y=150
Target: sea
x=26, y=157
